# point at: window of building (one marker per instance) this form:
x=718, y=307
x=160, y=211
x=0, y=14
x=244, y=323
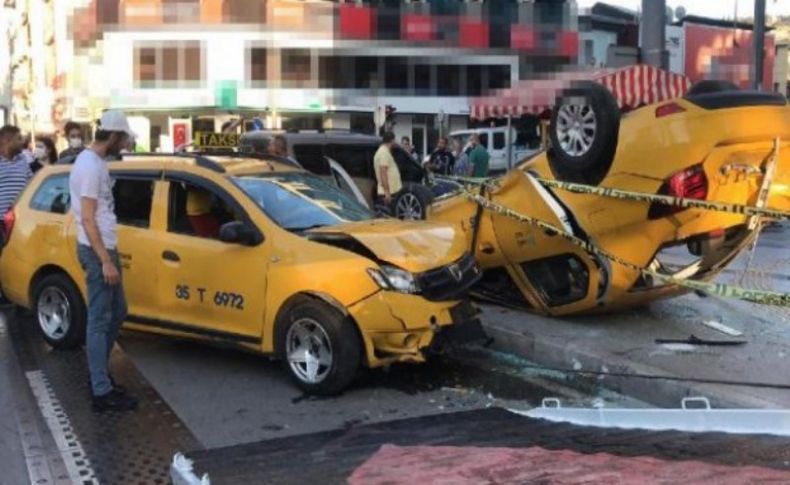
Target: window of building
x=169, y=65
x=180, y=11
x=133, y=201
x=52, y=195
x=244, y=11
x=366, y=72
x=397, y=74
x=448, y=80
x=257, y=64
x=498, y=77
x=422, y=80
x=295, y=67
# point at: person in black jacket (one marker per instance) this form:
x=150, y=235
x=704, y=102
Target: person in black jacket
x=442, y=161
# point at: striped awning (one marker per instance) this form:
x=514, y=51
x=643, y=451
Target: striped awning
x=632, y=87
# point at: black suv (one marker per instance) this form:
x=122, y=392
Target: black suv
x=318, y=151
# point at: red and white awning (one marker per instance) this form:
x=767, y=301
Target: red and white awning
x=632, y=87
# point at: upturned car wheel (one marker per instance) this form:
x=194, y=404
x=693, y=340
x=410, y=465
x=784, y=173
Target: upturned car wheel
x=585, y=125
x=60, y=311
x=413, y=202
x=319, y=347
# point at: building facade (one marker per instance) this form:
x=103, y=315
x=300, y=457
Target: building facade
x=193, y=65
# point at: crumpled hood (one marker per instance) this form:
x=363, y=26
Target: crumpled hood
x=415, y=246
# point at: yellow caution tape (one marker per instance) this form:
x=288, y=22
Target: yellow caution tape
x=716, y=289
x=667, y=200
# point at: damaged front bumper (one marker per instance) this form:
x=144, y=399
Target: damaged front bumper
x=398, y=327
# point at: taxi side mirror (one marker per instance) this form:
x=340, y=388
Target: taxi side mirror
x=237, y=232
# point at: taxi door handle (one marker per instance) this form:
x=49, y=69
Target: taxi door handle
x=170, y=256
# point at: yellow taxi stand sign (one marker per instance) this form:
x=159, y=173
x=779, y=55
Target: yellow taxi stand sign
x=205, y=139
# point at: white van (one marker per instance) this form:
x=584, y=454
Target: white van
x=494, y=139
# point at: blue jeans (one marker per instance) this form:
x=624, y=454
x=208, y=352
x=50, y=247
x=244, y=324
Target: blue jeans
x=106, y=312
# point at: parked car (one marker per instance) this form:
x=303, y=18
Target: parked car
x=494, y=139
x=252, y=253
x=316, y=151
x=713, y=144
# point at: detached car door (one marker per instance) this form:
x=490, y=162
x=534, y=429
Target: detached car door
x=213, y=289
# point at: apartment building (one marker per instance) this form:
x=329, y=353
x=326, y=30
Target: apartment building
x=192, y=65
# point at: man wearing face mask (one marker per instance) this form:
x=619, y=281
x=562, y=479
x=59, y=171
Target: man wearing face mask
x=74, y=136
x=92, y=203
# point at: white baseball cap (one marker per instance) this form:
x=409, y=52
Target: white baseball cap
x=115, y=120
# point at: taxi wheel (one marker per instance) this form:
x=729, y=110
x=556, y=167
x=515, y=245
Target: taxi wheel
x=584, y=129
x=60, y=311
x=318, y=346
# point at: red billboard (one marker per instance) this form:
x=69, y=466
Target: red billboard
x=725, y=53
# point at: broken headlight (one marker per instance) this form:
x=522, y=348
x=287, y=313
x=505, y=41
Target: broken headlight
x=392, y=278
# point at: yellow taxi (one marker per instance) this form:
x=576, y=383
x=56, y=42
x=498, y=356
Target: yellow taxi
x=714, y=144
x=255, y=253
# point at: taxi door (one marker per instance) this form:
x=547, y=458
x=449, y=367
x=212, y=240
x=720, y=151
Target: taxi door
x=210, y=288
x=133, y=194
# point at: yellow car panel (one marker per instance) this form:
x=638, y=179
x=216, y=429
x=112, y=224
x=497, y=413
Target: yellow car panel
x=180, y=283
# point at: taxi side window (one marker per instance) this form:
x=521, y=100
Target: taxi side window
x=133, y=200
x=52, y=195
x=197, y=211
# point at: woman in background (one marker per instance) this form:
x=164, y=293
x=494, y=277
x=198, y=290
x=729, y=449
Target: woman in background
x=43, y=154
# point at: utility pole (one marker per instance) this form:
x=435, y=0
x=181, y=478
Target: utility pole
x=759, y=43
x=653, y=33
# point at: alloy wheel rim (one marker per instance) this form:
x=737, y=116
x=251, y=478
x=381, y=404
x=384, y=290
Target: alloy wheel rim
x=576, y=128
x=408, y=207
x=309, y=351
x=54, y=313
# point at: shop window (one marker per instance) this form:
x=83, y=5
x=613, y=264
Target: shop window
x=295, y=65
x=257, y=64
x=133, y=201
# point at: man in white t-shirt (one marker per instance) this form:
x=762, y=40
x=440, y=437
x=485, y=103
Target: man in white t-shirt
x=93, y=206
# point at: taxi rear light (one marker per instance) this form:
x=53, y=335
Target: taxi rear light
x=8, y=224
x=669, y=109
x=691, y=183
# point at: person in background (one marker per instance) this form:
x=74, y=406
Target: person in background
x=75, y=138
x=92, y=204
x=387, y=173
x=461, y=167
x=442, y=161
x=15, y=172
x=478, y=157
x=278, y=147
x=44, y=153
x=405, y=142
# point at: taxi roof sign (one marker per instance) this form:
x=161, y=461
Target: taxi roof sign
x=204, y=139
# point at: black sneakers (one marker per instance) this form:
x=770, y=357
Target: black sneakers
x=115, y=400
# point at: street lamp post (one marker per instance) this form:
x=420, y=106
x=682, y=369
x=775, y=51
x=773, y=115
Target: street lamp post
x=759, y=43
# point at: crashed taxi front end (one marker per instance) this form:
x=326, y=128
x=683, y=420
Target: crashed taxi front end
x=423, y=273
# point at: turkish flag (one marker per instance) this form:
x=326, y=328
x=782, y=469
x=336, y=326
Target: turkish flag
x=179, y=134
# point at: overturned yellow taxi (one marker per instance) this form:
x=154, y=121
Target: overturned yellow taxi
x=250, y=252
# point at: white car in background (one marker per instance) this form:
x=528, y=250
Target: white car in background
x=494, y=139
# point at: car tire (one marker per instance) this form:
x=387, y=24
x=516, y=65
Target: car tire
x=412, y=202
x=711, y=86
x=59, y=311
x=330, y=343
x=585, y=125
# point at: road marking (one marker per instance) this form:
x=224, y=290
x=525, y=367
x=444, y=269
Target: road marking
x=722, y=328
x=74, y=458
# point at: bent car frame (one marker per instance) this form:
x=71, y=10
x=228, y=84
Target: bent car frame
x=713, y=144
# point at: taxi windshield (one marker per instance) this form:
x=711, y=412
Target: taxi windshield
x=300, y=201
